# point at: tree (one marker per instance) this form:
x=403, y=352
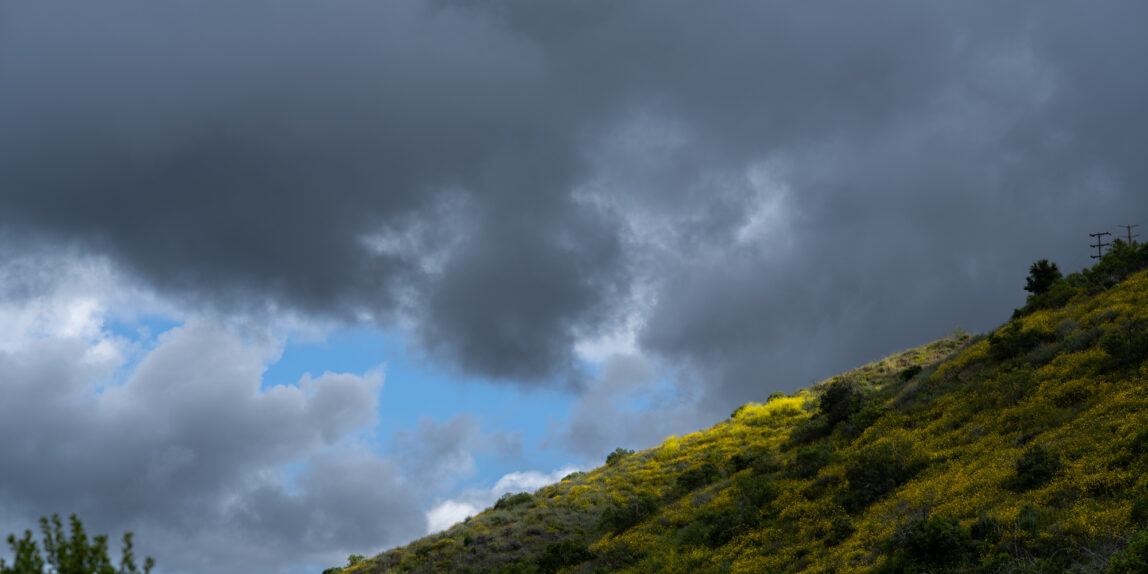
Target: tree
x=618, y=454
x=69, y=555
x=1041, y=277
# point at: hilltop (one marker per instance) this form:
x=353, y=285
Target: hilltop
x=1024, y=450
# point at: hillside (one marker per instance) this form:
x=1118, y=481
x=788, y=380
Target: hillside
x=1022, y=451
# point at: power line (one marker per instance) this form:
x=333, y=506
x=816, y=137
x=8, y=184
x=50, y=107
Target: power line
x=1100, y=244
x=1131, y=236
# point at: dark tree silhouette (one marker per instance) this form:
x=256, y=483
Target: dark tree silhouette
x=1041, y=276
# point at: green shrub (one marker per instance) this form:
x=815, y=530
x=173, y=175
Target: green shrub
x=879, y=469
x=1121, y=261
x=871, y=411
x=987, y=530
x=937, y=542
x=1012, y=341
x=760, y=462
x=840, y=399
x=1034, y=468
x=810, y=430
x=620, y=518
x=840, y=530
x=1028, y=518
x=756, y=490
x=809, y=460
x=909, y=372
x=509, y=500
x=1138, y=514
x=573, y=475
x=696, y=478
x=1126, y=344
x=774, y=396
x=1134, y=557
x=618, y=454
x=72, y=554
x=561, y=554
x=716, y=528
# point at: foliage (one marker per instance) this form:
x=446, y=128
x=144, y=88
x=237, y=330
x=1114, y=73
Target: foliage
x=1023, y=451
x=1134, y=557
x=809, y=460
x=924, y=544
x=1034, y=468
x=1041, y=277
x=629, y=514
x=909, y=372
x=618, y=454
x=1127, y=343
x=563, y=553
x=696, y=478
x=1013, y=340
x=69, y=554
x=508, y=500
x=878, y=469
x=840, y=399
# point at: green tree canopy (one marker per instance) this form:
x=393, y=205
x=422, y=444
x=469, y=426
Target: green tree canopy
x=73, y=554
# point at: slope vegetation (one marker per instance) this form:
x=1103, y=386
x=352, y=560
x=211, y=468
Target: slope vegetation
x=1022, y=451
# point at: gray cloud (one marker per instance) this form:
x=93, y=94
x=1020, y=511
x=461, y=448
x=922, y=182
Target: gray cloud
x=243, y=157
x=780, y=191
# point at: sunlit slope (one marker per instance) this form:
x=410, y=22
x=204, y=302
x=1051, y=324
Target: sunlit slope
x=1024, y=451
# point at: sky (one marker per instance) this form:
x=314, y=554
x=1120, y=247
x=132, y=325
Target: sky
x=282, y=281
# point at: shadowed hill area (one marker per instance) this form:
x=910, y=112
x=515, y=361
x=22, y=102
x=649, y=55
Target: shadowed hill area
x=1022, y=451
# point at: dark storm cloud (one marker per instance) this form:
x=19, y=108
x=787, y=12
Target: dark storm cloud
x=788, y=189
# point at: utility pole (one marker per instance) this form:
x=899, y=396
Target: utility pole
x=1100, y=244
x=1131, y=237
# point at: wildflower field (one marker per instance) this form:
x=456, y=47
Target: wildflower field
x=1025, y=450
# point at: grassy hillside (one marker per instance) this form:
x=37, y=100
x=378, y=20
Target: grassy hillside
x=1022, y=451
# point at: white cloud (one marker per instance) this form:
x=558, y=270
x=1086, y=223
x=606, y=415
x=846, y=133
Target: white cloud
x=183, y=446
x=447, y=513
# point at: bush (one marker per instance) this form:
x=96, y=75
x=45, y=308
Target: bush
x=69, y=555
x=810, y=460
x=618, y=454
x=870, y=412
x=809, y=430
x=761, y=462
x=840, y=399
x=909, y=372
x=509, y=500
x=1012, y=341
x=774, y=396
x=1134, y=557
x=1034, y=468
x=563, y=553
x=936, y=542
x=696, y=478
x=840, y=530
x=1121, y=261
x=878, y=470
x=1126, y=344
x=756, y=490
x=618, y=519
x=1138, y=514
x=717, y=528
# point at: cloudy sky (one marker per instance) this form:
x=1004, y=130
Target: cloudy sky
x=285, y=280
